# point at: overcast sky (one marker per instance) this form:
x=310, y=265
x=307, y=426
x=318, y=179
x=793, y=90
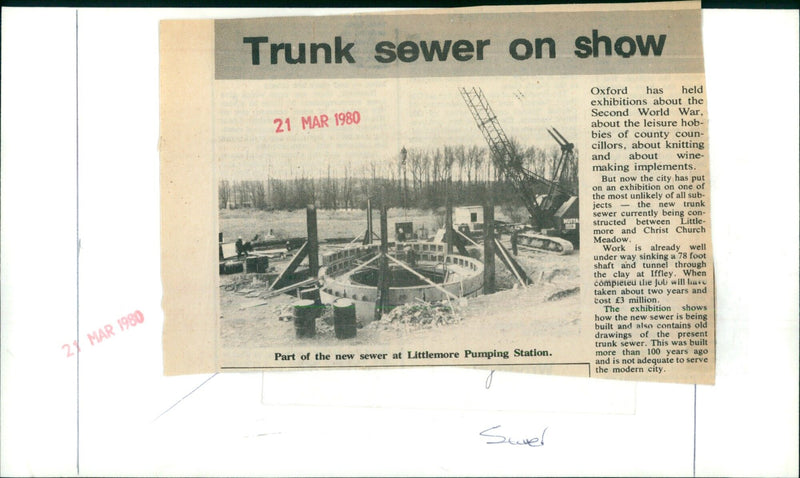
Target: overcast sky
x=425, y=113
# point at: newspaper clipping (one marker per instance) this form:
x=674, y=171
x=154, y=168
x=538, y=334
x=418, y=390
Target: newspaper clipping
x=521, y=188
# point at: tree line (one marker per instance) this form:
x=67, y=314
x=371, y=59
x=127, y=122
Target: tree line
x=415, y=179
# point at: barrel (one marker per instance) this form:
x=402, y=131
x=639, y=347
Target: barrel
x=262, y=264
x=344, y=318
x=251, y=264
x=233, y=267
x=312, y=293
x=305, y=320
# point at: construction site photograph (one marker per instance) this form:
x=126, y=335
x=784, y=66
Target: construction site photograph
x=410, y=216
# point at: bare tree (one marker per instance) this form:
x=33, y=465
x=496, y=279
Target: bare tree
x=258, y=194
x=347, y=187
x=414, y=161
x=224, y=193
x=478, y=156
x=474, y=160
x=461, y=160
x=449, y=159
x=330, y=191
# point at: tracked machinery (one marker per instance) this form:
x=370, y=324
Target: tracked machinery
x=554, y=214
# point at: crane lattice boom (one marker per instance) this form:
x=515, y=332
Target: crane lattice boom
x=510, y=164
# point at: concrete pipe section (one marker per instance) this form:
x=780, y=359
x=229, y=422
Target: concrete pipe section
x=352, y=273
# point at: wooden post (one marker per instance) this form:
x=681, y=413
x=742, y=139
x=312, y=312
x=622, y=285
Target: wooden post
x=448, y=218
x=488, y=247
x=283, y=278
x=368, y=237
x=313, y=240
x=512, y=264
x=383, y=267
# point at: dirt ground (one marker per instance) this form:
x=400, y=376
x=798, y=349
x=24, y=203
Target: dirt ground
x=549, y=307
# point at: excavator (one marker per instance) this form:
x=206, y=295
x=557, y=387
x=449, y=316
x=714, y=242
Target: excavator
x=555, y=225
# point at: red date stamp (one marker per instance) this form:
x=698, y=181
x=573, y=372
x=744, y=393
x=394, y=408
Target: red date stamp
x=343, y=118
x=106, y=332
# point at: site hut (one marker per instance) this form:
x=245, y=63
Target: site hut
x=471, y=216
x=233, y=204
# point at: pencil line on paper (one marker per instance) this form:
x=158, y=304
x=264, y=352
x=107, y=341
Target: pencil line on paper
x=185, y=396
x=77, y=270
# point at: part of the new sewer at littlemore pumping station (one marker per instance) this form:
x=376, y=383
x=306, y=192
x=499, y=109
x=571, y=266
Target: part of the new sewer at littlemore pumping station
x=420, y=271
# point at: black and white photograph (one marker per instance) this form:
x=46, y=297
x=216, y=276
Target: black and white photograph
x=434, y=213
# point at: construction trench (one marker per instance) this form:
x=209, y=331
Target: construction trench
x=360, y=282
x=365, y=280
x=432, y=276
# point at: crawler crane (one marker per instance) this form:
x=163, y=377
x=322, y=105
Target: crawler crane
x=557, y=210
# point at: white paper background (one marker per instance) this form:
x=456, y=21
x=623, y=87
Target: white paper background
x=747, y=424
